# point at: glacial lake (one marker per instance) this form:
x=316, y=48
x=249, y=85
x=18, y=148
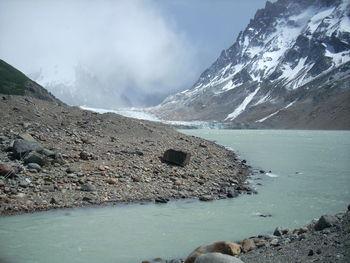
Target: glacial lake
x=310, y=176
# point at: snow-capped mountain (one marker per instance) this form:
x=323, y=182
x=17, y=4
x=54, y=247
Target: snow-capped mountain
x=289, y=68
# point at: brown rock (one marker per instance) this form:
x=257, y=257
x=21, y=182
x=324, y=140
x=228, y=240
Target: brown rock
x=248, y=245
x=223, y=247
x=84, y=156
x=303, y=229
x=111, y=181
x=6, y=170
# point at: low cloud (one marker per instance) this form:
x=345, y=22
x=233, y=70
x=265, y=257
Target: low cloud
x=97, y=53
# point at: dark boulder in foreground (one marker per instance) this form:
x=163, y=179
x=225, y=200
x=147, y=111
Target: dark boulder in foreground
x=177, y=157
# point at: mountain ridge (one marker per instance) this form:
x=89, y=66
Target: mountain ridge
x=14, y=82
x=283, y=50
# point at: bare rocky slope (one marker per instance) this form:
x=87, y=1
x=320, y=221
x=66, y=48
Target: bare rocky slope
x=82, y=158
x=289, y=68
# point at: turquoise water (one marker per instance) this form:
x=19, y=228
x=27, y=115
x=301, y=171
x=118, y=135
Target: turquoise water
x=310, y=176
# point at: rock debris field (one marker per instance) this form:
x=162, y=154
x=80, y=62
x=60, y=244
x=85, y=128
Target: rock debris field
x=56, y=156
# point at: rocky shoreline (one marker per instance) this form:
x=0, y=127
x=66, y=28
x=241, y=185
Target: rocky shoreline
x=326, y=239
x=55, y=156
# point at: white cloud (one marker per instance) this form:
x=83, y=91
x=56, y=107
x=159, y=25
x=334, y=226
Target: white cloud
x=99, y=53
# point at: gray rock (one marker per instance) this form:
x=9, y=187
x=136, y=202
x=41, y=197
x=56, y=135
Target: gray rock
x=26, y=137
x=326, y=221
x=3, y=138
x=34, y=157
x=88, y=187
x=34, y=166
x=24, y=183
x=176, y=157
x=70, y=170
x=280, y=231
x=206, y=198
x=274, y=242
x=277, y=232
x=22, y=147
x=216, y=258
x=48, y=153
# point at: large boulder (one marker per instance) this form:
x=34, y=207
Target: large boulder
x=22, y=147
x=326, y=221
x=177, y=157
x=217, y=258
x=224, y=247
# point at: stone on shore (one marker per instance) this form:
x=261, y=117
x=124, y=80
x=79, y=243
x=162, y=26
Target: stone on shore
x=326, y=221
x=88, y=187
x=26, y=137
x=248, y=245
x=22, y=147
x=34, y=166
x=6, y=170
x=34, y=157
x=223, y=247
x=217, y=258
x=177, y=157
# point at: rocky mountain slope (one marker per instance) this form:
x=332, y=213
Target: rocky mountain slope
x=14, y=82
x=288, y=69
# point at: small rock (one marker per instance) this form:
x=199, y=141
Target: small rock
x=318, y=251
x=24, y=183
x=84, y=156
x=70, y=170
x=26, y=137
x=206, y=198
x=248, y=245
x=274, y=242
x=88, y=187
x=176, y=157
x=34, y=157
x=6, y=170
x=48, y=188
x=111, y=180
x=48, y=153
x=278, y=232
x=161, y=200
x=326, y=221
x=53, y=201
x=302, y=230
x=311, y=252
x=227, y=248
x=87, y=199
x=34, y=166
x=216, y=258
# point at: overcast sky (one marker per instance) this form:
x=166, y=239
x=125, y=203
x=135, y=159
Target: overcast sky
x=119, y=53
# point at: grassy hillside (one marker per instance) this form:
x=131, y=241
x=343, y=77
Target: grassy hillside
x=14, y=82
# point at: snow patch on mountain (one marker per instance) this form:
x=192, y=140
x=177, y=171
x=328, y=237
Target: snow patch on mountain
x=242, y=106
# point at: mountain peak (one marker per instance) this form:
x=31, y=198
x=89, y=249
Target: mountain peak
x=286, y=47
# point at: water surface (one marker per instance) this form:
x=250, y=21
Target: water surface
x=313, y=178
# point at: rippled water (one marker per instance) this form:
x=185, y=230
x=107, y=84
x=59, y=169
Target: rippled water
x=311, y=176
